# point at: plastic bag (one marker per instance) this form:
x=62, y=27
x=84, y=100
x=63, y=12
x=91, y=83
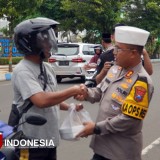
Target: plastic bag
x=73, y=123
x=84, y=116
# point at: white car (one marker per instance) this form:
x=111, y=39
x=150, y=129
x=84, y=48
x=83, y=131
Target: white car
x=70, y=59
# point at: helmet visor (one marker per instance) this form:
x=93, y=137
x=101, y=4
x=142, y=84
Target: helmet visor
x=46, y=41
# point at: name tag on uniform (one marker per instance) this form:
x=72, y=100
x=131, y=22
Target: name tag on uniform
x=104, y=87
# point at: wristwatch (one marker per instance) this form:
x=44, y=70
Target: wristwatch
x=97, y=130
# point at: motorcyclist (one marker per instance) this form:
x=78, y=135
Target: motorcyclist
x=34, y=81
x=93, y=61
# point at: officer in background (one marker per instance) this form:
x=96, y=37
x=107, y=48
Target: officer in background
x=106, y=59
x=124, y=96
x=107, y=54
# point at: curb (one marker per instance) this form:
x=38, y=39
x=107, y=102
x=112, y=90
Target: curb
x=5, y=76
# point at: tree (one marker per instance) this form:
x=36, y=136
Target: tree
x=17, y=10
x=95, y=16
x=51, y=9
x=145, y=14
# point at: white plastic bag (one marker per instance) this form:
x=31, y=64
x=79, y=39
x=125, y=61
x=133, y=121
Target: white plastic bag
x=84, y=116
x=73, y=123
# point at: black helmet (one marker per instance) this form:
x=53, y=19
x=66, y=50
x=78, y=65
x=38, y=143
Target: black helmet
x=97, y=47
x=33, y=35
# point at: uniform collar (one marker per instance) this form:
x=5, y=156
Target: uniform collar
x=135, y=69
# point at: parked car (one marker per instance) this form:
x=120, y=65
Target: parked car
x=70, y=59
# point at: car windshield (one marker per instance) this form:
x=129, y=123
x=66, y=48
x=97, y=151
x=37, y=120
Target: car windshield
x=68, y=50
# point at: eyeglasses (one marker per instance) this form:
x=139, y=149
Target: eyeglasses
x=117, y=50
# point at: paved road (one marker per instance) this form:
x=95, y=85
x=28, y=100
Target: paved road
x=79, y=150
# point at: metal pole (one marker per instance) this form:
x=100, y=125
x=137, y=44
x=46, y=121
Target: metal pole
x=10, y=55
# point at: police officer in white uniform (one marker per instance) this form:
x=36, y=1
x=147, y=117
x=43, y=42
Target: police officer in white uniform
x=124, y=96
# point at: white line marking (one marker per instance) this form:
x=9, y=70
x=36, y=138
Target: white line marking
x=152, y=145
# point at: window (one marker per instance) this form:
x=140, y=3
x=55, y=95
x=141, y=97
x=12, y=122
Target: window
x=68, y=50
x=88, y=50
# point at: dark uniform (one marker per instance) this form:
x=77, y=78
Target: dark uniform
x=104, y=57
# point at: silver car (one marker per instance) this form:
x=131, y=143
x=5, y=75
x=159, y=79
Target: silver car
x=70, y=59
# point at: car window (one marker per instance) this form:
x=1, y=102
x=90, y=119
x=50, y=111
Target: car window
x=88, y=50
x=68, y=50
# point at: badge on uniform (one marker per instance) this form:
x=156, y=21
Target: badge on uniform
x=129, y=80
x=115, y=107
x=136, y=103
x=114, y=70
x=139, y=93
x=124, y=85
x=129, y=74
x=110, y=75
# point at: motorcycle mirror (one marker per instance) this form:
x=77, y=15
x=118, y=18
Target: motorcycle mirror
x=2, y=156
x=32, y=118
x=35, y=119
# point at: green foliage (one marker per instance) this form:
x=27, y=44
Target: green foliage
x=5, y=60
x=5, y=31
x=17, y=10
x=51, y=9
x=96, y=16
x=146, y=15
x=92, y=15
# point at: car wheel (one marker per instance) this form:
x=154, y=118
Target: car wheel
x=59, y=79
x=83, y=79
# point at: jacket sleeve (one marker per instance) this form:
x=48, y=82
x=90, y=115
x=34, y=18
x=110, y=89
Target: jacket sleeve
x=94, y=95
x=133, y=110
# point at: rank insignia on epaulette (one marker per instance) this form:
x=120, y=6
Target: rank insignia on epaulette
x=129, y=74
x=139, y=93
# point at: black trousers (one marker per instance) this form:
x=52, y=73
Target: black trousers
x=42, y=154
x=98, y=157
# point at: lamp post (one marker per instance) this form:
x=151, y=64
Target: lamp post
x=10, y=55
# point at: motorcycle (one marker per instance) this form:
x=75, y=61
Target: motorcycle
x=9, y=153
x=90, y=80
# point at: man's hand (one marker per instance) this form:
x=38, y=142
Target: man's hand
x=78, y=90
x=102, y=74
x=107, y=66
x=86, y=67
x=65, y=106
x=79, y=107
x=88, y=129
x=90, y=66
x=83, y=93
